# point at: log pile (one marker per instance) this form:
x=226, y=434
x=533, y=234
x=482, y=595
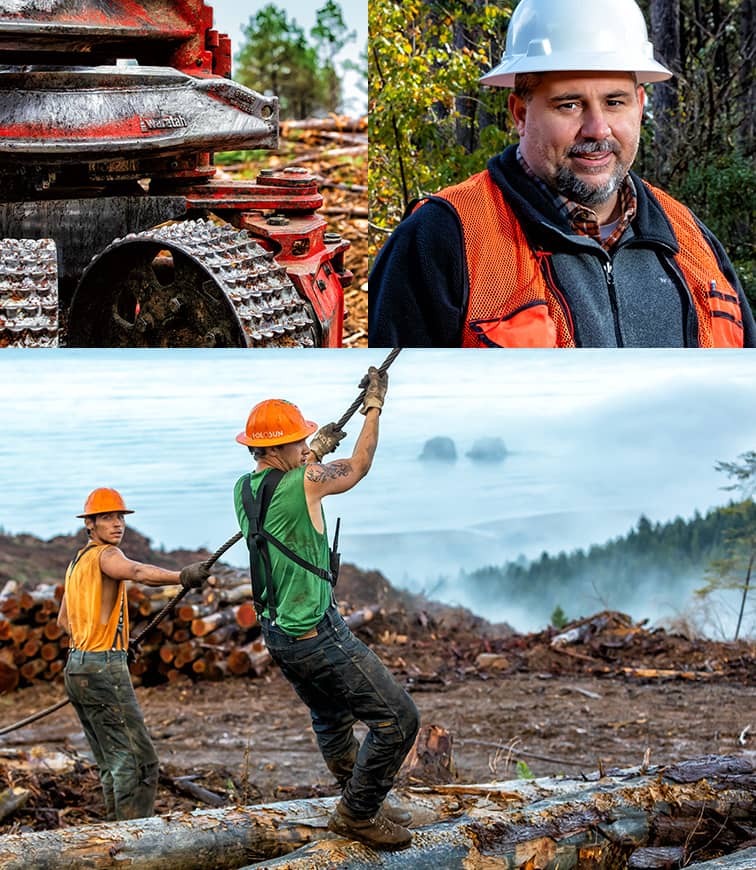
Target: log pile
x=32, y=645
x=208, y=635
x=610, y=644
x=699, y=811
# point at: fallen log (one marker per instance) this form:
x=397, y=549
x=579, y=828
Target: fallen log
x=541, y=823
x=217, y=839
x=657, y=858
x=184, y=784
x=9, y=677
x=745, y=859
x=590, y=825
x=319, y=155
x=345, y=211
x=360, y=617
x=241, y=659
x=12, y=799
x=334, y=123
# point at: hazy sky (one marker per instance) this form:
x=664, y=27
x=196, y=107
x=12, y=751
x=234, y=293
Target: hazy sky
x=232, y=15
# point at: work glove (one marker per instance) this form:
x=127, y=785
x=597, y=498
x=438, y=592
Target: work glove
x=375, y=384
x=326, y=440
x=194, y=575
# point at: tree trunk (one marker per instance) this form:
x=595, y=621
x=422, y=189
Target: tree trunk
x=581, y=825
x=541, y=823
x=215, y=839
x=743, y=860
x=665, y=30
x=747, y=129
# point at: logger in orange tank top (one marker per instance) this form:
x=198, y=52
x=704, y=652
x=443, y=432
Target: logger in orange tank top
x=94, y=612
x=557, y=243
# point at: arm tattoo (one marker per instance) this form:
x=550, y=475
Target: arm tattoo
x=318, y=473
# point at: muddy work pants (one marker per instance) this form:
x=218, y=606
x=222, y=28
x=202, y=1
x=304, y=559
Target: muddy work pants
x=99, y=686
x=342, y=681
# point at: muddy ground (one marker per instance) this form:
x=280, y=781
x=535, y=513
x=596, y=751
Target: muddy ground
x=612, y=694
x=249, y=740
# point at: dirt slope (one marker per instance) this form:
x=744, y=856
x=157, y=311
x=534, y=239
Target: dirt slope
x=606, y=695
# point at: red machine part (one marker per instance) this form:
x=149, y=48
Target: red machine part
x=175, y=33
x=314, y=261
x=67, y=142
x=313, y=257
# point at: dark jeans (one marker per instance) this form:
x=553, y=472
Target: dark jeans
x=99, y=686
x=343, y=681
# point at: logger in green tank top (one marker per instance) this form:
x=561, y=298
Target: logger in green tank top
x=342, y=681
x=302, y=597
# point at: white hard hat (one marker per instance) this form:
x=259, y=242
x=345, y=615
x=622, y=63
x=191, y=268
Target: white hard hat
x=567, y=35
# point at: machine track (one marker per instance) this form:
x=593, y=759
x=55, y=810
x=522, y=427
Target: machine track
x=28, y=293
x=198, y=283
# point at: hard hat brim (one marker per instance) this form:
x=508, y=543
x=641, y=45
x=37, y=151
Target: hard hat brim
x=97, y=513
x=275, y=441
x=503, y=75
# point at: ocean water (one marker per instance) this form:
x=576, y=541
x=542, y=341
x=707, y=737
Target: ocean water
x=594, y=439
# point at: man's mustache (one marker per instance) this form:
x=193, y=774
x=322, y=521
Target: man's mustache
x=593, y=148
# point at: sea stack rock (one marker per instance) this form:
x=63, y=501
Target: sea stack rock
x=488, y=450
x=439, y=448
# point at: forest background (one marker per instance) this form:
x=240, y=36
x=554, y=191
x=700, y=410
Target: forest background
x=319, y=74
x=432, y=124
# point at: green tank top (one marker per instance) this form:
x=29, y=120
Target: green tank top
x=301, y=597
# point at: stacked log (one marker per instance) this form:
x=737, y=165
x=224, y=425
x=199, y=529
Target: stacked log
x=209, y=635
x=198, y=636
x=32, y=644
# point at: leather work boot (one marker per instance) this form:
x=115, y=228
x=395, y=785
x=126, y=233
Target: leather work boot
x=395, y=813
x=378, y=831
x=342, y=768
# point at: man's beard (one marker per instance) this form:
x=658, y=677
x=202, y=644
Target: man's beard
x=577, y=190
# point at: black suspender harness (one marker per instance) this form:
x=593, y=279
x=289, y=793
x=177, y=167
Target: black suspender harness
x=79, y=555
x=258, y=539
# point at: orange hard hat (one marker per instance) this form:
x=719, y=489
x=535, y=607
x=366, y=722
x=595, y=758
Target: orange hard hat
x=104, y=501
x=275, y=421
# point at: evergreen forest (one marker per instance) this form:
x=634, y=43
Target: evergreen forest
x=661, y=562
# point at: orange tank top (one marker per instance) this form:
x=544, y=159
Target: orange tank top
x=84, y=583
x=521, y=306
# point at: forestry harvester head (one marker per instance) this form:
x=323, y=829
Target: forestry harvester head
x=114, y=230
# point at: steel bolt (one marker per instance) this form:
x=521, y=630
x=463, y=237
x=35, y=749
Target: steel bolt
x=266, y=173
x=144, y=322
x=278, y=220
x=331, y=238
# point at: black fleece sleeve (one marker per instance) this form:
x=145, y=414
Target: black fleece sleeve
x=418, y=285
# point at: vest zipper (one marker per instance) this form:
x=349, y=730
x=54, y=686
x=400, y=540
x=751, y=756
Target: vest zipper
x=544, y=263
x=609, y=274
x=692, y=326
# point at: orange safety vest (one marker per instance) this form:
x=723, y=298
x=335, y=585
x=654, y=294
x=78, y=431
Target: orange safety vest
x=521, y=305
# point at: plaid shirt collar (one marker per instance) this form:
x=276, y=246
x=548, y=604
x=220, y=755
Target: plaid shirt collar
x=583, y=219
